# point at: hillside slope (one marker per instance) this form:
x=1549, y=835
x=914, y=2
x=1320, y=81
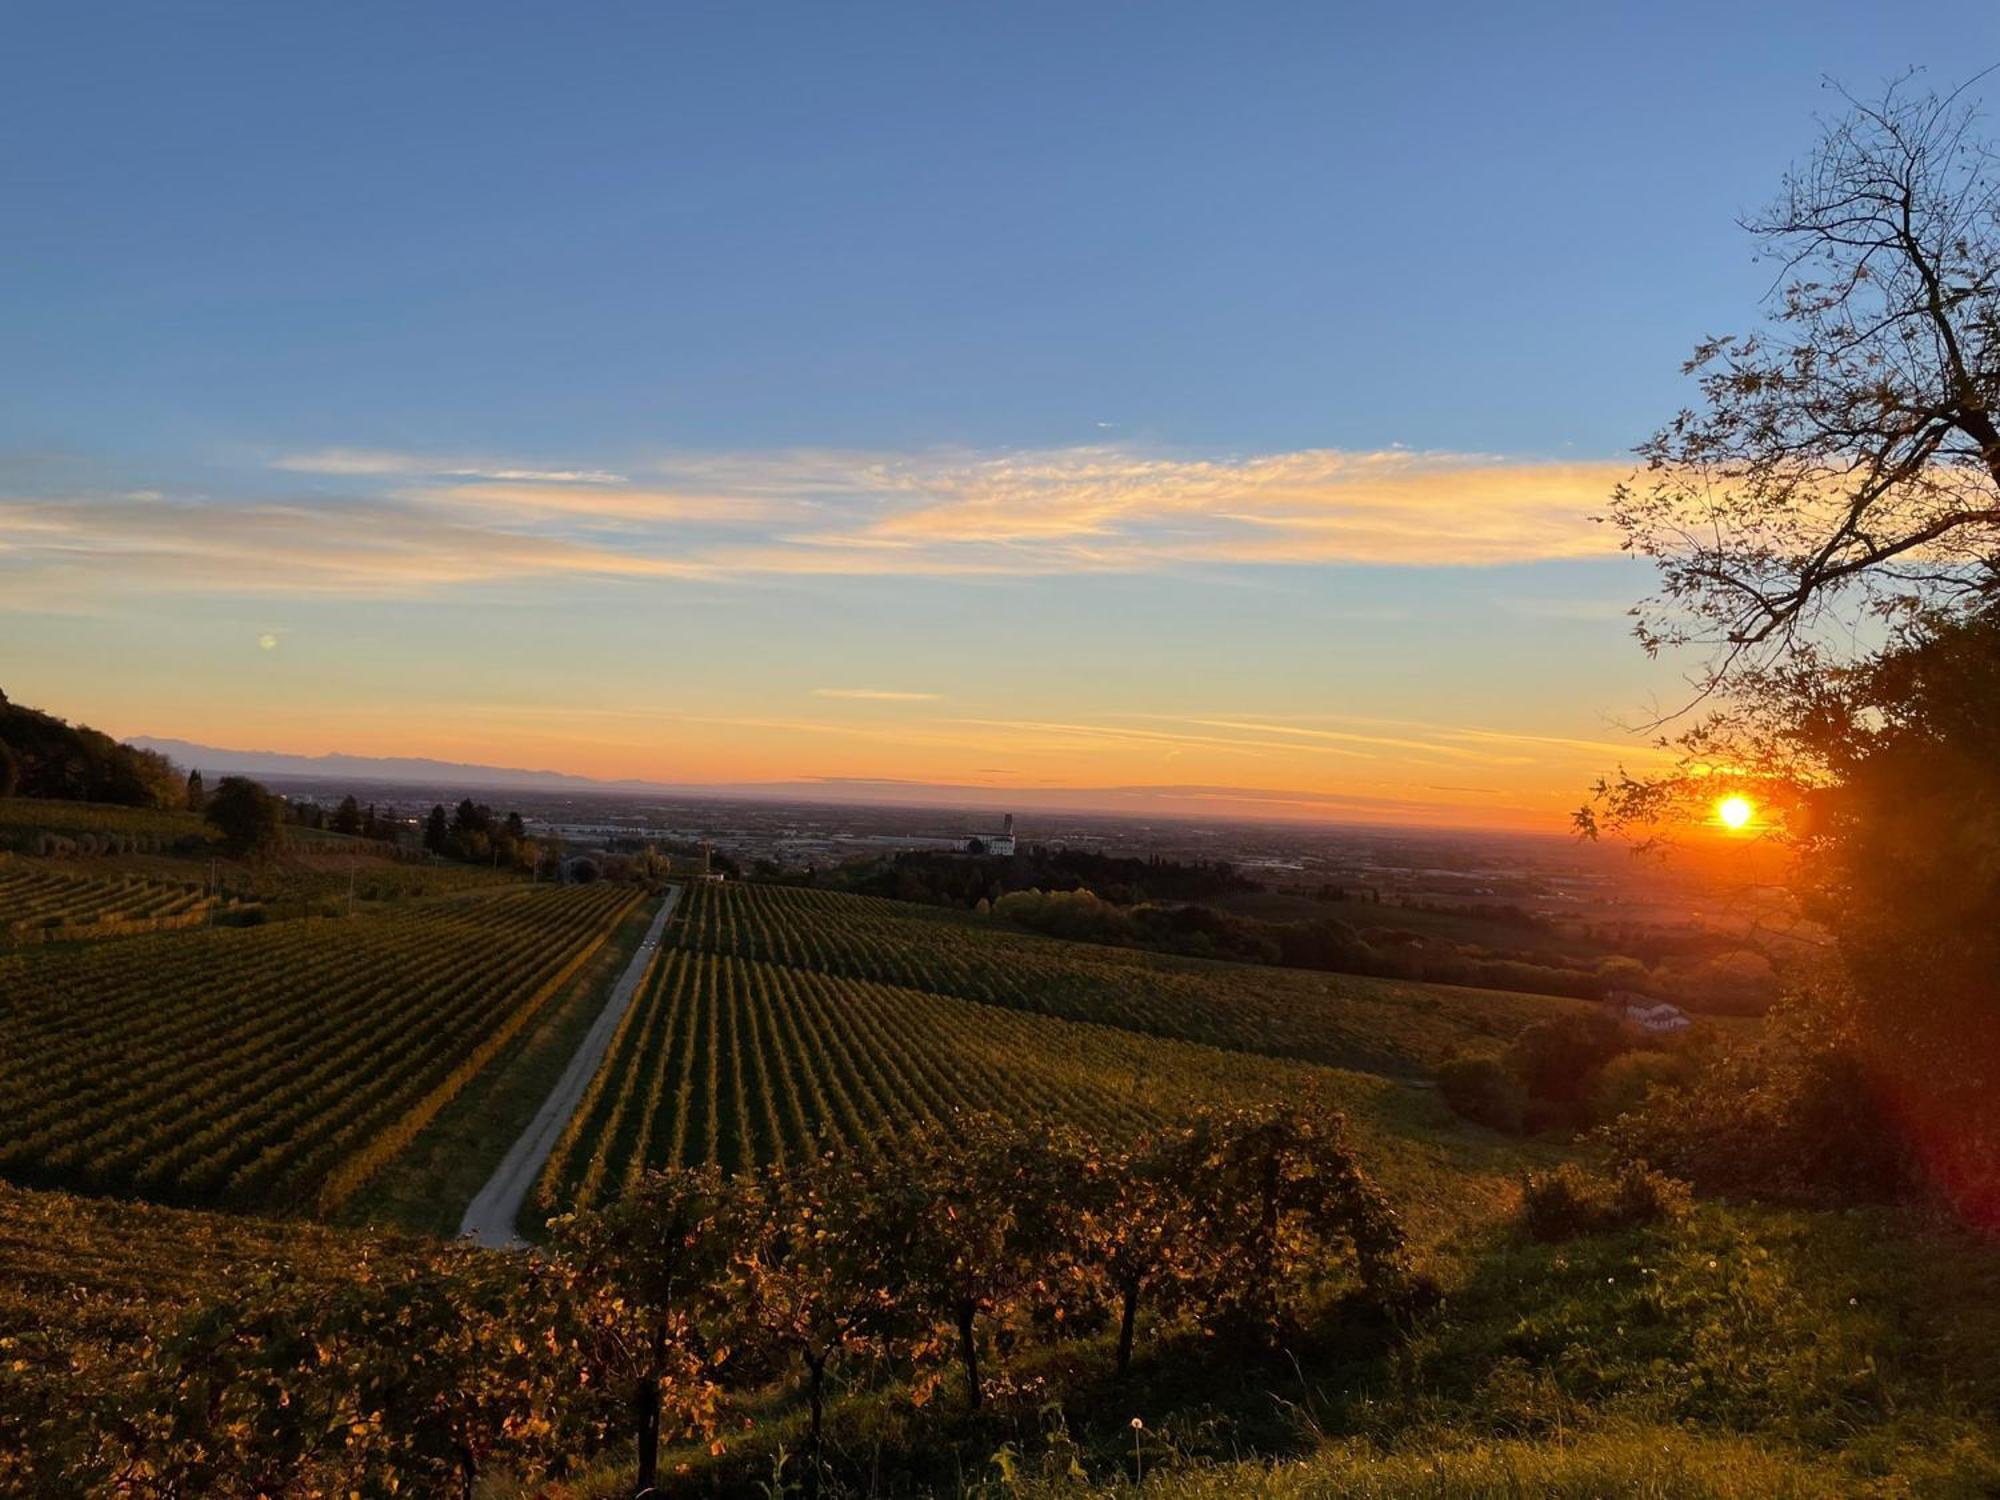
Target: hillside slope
x=1390, y=1026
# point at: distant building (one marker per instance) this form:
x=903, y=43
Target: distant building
x=1001, y=843
x=1645, y=1012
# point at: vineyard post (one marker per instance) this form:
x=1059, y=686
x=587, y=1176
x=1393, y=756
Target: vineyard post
x=1128, y=1321
x=816, y=1370
x=968, y=1351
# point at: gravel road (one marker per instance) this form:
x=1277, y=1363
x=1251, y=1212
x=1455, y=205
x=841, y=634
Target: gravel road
x=489, y=1220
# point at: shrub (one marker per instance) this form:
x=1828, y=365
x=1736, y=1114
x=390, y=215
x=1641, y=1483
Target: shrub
x=1481, y=1089
x=1626, y=1081
x=1786, y=1122
x=1558, y=1060
x=1572, y=1201
x=1077, y=915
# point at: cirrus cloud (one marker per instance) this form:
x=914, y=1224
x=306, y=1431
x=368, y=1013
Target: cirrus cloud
x=875, y=695
x=405, y=523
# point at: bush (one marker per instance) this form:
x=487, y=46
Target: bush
x=1077, y=915
x=1626, y=1081
x=1571, y=1201
x=1558, y=1060
x=1481, y=1089
x=1788, y=1123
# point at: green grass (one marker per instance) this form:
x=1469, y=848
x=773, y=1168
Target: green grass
x=1644, y=1463
x=427, y=1188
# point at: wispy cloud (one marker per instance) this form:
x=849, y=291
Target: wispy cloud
x=69, y=547
x=359, y=463
x=1109, y=507
x=601, y=505
x=875, y=695
x=411, y=523
x=1451, y=742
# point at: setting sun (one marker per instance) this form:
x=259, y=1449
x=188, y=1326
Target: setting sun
x=1735, y=812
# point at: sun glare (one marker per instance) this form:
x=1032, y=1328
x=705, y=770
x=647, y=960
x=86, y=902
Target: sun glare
x=1734, y=812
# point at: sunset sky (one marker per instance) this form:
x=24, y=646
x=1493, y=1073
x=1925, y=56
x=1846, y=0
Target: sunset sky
x=1016, y=397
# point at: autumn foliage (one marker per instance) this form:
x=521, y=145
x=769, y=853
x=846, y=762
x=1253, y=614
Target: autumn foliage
x=920, y=1269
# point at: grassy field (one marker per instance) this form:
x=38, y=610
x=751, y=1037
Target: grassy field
x=738, y=1062
x=777, y=1022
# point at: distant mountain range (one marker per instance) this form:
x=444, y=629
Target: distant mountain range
x=213, y=761
x=1201, y=803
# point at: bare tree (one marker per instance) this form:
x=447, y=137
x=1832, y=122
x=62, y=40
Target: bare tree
x=1845, y=461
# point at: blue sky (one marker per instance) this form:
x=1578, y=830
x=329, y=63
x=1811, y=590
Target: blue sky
x=1040, y=360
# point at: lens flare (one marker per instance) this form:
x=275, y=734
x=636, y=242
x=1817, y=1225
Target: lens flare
x=1734, y=812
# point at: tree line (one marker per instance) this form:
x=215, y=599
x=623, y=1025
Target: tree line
x=1324, y=943
x=936, y=878
x=43, y=756
x=475, y=834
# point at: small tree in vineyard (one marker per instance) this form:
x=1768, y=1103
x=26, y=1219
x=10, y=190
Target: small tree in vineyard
x=653, y=1267
x=250, y=819
x=946, y=1226
x=1140, y=1230
x=1282, y=1206
x=803, y=1274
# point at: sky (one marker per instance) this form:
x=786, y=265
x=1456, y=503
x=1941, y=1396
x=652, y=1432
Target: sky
x=1200, y=405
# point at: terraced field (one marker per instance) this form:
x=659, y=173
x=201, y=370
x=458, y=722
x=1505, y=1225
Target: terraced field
x=38, y=904
x=273, y=1067
x=1338, y=1019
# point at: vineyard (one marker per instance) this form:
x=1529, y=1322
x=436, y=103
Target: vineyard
x=88, y=1284
x=1341, y=1020
x=105, y=1271
x=31, y=825
x=324, y=877
x=38, y=904
x=739, y=1061
x=274, y=1067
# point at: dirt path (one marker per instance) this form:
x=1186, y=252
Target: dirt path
x=489, y=1220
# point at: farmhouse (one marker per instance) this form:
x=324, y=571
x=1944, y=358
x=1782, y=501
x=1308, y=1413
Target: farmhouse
x=1645, y=1012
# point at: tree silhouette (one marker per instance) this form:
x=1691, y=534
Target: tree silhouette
x=250, y=819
